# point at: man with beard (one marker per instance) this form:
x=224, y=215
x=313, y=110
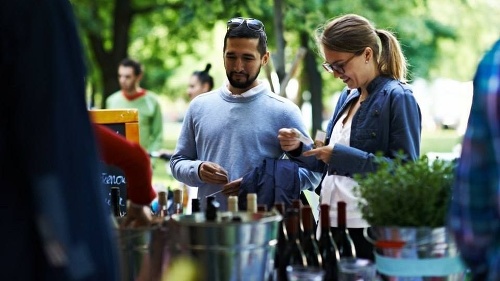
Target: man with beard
x=228, y=132
x=131, y=95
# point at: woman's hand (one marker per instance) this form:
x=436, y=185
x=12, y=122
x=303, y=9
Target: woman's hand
x=288, y=139
x=323, y=153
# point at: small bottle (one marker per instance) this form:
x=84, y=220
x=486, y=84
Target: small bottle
x=293, y=254
x=178, y=203
x=308, y=242
x=252, y=203
x=342, y=238
x=212, y=208
x=195, y=205
x=232, y=203
x=162, y=204
x=115, y=201
x=327, y=247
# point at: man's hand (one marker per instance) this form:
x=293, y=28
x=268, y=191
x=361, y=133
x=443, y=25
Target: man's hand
x=288, y=139
x=137, y=216
x=213, y=173
x=323, y=153
x=232, y=188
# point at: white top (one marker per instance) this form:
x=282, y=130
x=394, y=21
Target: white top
x=336, y=188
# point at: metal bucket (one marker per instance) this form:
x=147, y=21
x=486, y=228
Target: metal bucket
x=145, y=253
x=228, y=250
x=416, y=254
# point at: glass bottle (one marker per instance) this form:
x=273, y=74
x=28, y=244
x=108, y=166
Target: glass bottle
x=178, y=201
x=296, y=204
x=195, y=205
x=232, y=204
x=115, y=201
x=308, y=242
x=252, y=203
x=327, y=247
x=261, y=208
x=342, y=238
x=282, y=237
x=293, y=254
x=212, y=208
x=162, y=204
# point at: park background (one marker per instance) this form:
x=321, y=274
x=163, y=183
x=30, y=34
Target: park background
x=443, y=41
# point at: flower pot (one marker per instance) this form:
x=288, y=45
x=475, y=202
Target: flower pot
x=416, y=254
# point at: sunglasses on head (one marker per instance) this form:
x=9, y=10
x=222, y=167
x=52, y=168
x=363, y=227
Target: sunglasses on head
x=252, y=24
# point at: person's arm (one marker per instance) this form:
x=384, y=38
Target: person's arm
x=404, y=136
x=132, y=159
x=474, y=218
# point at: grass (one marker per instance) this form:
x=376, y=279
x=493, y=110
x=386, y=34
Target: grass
x=432, y=141
x=439, y=141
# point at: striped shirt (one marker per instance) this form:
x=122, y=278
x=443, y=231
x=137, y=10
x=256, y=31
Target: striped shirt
x=475, y=208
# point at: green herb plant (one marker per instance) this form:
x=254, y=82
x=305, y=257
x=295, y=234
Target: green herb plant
x=406, y=193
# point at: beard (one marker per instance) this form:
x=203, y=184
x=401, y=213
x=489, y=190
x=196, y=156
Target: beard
x=242, y=84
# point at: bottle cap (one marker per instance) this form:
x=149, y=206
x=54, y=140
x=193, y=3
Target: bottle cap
x=162, y=198
x=177, y=195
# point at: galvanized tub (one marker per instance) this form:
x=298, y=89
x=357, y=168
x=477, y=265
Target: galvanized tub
x=416, y=254
x=229, y=250
x=146, y=253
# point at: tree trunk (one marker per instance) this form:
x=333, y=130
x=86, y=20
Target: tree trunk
x=279, y=56
x=108, y=60
x=313, y=80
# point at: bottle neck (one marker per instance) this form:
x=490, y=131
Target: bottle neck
x=341, y=215
x=292, y=225
x=324, y=216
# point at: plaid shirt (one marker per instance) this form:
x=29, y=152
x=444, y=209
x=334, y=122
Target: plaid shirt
x=475, y=208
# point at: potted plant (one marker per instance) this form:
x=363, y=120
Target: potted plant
x=406, y=203
x=411, y=194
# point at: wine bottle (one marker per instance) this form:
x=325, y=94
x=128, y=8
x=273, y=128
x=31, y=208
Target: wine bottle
x=115, y=201
x=232, y=204
x=195, y=205
x=293, y=254
x=327, y=247
x=282, y=238
x=212, y=208
x=252, y=203
x=296, y=204
x=308, y=242
x=342, y=238
x=162, y=204
x=185, y=197
x=261, y=208
x=178, y=205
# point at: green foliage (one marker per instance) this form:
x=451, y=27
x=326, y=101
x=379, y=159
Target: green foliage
x=406, y=194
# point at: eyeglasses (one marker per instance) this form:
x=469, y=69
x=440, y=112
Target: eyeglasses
x=331, y=67
x=252, y=24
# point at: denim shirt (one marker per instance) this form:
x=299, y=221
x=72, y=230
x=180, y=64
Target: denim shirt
x=387, y=121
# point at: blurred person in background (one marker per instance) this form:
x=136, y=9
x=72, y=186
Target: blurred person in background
x=475, y=206
x=376, y=112
x=131, y=95
x=200, y=82
x=55, y=222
